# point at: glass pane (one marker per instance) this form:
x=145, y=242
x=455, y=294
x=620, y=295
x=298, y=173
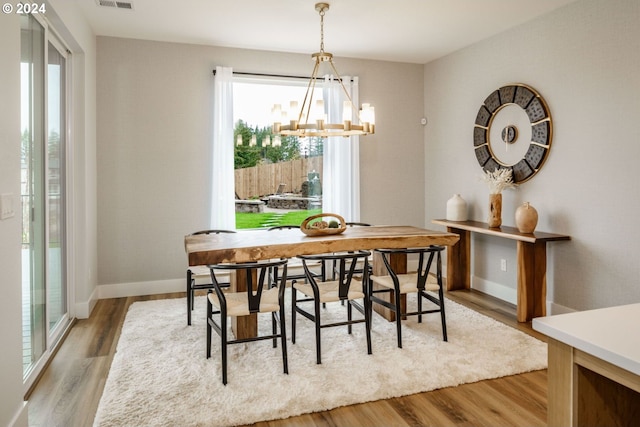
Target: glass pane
x=277, y=181
x=56, y=289
x=32, y=126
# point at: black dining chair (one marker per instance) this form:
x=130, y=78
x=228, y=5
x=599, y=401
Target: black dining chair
x=349, y=288
x=359, y=269
x=295, y=271
x=420, y=282
x=263, y=295
x=199, y=273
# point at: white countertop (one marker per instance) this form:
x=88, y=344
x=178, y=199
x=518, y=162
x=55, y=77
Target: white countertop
x=611, y=334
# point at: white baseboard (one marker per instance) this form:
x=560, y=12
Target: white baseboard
x=83, y=309
x=510, y=295
x=122, y=290
x=553, y=308
x=21, y=419
x=494, y=289
x=119, y=290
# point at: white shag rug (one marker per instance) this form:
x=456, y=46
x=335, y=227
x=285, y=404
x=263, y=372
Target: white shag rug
x=160, y=376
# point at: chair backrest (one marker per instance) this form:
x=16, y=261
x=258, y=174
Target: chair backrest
x=262, y=279
x=423, y=267
x=283, y=227
x=347, y=266
x=196, y=233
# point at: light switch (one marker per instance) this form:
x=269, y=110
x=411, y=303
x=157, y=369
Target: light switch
x=6, y=206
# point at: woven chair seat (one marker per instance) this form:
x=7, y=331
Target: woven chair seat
x=328, y=291
x=237, y=302
x=408, y=283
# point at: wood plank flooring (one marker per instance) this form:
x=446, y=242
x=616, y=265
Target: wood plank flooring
x=68, y=393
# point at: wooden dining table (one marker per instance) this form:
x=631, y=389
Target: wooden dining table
x=256, y=245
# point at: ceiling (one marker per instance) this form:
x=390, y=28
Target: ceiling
x=414, y=31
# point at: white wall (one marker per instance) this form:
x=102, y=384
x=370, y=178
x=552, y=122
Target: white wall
x=154, y=138
x=10, y=236
x=584, y=59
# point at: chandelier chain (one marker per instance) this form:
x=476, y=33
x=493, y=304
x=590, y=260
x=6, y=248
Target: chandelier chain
x=322, y=30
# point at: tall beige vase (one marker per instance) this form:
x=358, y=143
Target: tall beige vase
x=495, y=210
x=526, y=218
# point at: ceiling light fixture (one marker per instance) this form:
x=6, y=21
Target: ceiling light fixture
x=311, y=119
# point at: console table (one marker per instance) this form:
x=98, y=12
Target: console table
x=531, y=257
x=594, y=367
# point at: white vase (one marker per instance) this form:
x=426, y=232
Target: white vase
x=456, y=209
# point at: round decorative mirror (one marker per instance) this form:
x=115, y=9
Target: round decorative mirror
x=513, y=130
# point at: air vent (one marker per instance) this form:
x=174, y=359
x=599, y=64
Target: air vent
x=115, y=4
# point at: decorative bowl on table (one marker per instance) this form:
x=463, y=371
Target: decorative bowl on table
x=323, y=224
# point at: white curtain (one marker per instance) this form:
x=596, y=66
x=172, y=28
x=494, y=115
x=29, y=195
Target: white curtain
x=222, y=178
x=341, y=163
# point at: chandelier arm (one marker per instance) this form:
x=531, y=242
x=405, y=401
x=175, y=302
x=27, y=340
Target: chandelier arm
x=310, y=88
x=344, y=89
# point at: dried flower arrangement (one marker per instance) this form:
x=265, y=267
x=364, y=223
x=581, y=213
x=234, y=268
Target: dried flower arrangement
x=498, y=180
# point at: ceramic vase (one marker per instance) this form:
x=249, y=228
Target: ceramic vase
x=456, y=209
x=495, y=210
x=526, y=218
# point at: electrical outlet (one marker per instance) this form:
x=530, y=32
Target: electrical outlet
x=503, y=265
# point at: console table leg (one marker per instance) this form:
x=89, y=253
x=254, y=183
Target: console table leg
x=459, y=261
x=532, y=280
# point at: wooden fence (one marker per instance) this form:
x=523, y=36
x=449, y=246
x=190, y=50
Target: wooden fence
x=263, y=180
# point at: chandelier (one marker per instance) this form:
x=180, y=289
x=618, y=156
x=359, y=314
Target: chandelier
x=311, y=120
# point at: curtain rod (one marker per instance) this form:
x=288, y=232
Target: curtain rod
x=241, y=73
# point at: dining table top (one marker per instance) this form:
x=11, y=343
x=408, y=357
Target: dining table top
x=255, y=245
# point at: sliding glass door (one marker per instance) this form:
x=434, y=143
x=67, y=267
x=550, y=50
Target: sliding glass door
x=55, y=168
x=44, y=129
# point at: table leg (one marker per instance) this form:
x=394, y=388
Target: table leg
x=532, y=280
x=560, y=382
x=584, y=390
x=459, y=261
x=243, y=326
x=399, y=264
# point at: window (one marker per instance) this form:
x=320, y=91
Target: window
x=278, y=180
x=338, y=180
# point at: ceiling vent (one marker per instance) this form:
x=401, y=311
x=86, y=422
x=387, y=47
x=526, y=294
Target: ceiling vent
x=115, y=4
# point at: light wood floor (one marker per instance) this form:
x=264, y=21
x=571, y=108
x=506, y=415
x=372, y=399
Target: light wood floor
x=70, y=388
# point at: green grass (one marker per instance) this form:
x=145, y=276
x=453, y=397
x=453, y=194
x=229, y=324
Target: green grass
x=261, y=220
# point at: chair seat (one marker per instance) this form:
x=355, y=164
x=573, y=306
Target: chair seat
x=200, y=270
x=295, y=270
x=329, y=291
x=408, y=283
x=200, y=274
x=237, y=302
